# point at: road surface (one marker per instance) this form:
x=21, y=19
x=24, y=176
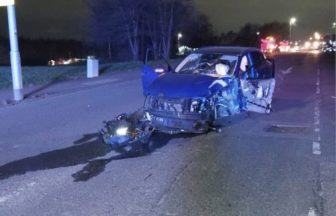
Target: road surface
x=51, y=162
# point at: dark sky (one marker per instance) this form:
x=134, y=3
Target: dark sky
x=312, y=15
x=50, y=18
x=68, y=18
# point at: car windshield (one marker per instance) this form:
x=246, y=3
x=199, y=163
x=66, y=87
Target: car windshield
x=198, y=63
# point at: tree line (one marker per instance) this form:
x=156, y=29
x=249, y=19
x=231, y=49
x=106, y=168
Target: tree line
x=123, y=30
x=141, y=24
x=130, y=27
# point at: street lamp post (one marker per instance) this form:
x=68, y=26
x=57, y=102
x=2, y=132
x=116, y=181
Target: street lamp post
x=14, y=50
x=292, y=22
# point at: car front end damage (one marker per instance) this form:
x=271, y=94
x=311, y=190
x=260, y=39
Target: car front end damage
x=178, y=115
x=194, y=98
x=172, y=116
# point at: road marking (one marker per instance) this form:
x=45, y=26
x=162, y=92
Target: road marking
x=317, y=114
x=287, y=71
x=317, y=148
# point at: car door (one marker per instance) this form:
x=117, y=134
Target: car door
x=257, y=82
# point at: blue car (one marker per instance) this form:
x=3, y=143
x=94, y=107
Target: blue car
x=208, y=86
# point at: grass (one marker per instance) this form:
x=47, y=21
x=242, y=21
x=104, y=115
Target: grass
x=43, y=74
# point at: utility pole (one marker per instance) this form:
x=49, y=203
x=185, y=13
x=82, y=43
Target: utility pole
x=14, y=50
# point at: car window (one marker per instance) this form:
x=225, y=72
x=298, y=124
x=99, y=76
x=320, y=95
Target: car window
x=199, y=63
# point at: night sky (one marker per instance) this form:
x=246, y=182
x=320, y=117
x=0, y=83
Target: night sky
x=68, y=18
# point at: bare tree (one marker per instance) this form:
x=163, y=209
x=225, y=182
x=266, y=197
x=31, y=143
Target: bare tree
x=162, y=22
x=140, y=23
x=114, y=21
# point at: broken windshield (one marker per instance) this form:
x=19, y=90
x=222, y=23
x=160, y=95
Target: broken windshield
x=208, y=64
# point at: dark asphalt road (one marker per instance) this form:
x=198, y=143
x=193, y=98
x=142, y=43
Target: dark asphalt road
x=278, y=164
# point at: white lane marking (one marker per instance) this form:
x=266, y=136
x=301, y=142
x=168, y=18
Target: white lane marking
x=317, y=148
x=287, y=71
x=317, y=114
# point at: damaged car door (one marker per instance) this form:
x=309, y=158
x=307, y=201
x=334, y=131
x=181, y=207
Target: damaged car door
x=257, y=81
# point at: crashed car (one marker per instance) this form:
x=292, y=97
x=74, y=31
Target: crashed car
x=206, y=87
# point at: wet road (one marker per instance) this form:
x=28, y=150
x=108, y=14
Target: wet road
x=279, y=164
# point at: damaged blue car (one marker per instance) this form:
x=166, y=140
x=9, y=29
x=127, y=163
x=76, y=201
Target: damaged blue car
x=206, y=87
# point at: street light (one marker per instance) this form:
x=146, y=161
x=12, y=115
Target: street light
x=334, y=25
x=292, y=22
x=14, y=49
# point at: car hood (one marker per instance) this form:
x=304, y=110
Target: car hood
x=174, y=85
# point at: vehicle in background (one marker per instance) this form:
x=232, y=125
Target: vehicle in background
x=284, y=46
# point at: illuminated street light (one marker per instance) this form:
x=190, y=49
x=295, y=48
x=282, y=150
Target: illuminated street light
x=14, y=49
x=179, y=36
x=292, y=22
x=334, y=25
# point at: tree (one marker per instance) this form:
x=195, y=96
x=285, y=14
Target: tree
x=141, y=23
x=115, y=21
x=247, y=36
x=198, y=31
x=228, y=38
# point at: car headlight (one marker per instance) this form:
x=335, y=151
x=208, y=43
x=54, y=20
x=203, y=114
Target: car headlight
x=122, y=131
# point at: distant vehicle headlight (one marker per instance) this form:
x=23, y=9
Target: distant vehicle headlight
x=122, y=131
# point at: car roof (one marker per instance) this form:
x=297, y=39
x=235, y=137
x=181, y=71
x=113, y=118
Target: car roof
x=230, y=50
